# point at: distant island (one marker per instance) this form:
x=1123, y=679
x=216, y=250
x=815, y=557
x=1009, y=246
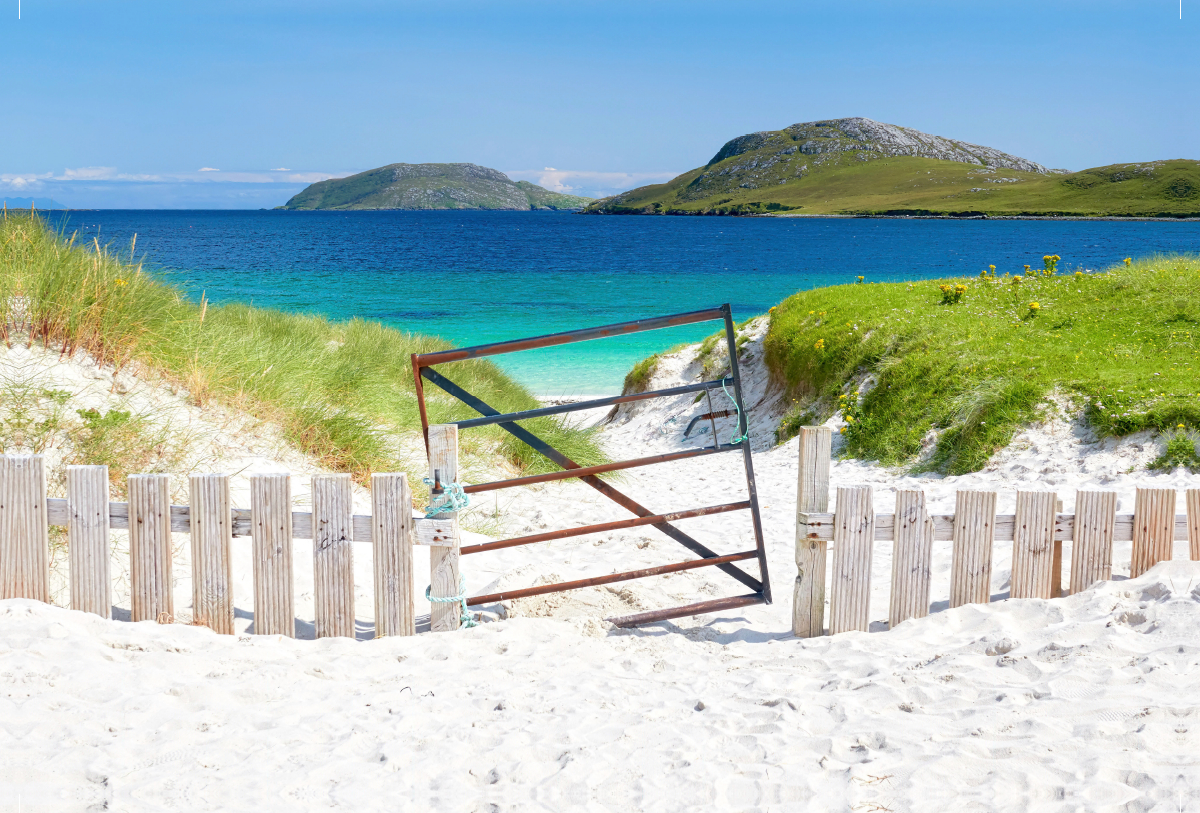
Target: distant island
x=857, y=166
x=29, y=203
x=431, y=186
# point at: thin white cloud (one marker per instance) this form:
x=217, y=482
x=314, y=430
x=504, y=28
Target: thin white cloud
x=23, y=181
x=589, y=182
x=87, y=174
x=205, y=175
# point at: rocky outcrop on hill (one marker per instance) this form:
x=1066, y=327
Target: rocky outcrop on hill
x=865, y=135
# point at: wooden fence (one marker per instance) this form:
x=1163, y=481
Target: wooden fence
x=26, y=514
x=1036, y=532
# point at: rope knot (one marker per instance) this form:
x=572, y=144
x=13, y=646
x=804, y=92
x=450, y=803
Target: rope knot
x=452, y=498
x=466, y=619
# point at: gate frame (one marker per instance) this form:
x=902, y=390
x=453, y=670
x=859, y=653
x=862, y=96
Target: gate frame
x=422, y=369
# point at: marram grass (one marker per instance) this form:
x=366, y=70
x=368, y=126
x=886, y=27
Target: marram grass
x=342, y=392
x=1123, y=344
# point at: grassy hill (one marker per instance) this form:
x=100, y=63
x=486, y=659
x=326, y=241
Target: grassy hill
x=856, y=166
x=974, y=359
x=431, y=186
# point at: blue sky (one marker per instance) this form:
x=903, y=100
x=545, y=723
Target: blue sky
x=241, y=104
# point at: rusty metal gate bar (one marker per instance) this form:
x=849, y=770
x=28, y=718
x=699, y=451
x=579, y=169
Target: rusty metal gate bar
x=422, y=369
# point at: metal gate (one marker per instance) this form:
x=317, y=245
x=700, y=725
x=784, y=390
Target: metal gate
x=760, y=587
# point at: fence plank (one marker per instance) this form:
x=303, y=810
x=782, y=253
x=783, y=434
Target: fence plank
x=812, y=496
x=333, y=555
x=1091, y=552
x=24, y=528
x=1033, y=547
x=853, y=539
x=974, y=535
x=271, y=532
x=150, y=548
x=1153, y=528
x=212, y=540
x=391, y=540
x=443, y=561
x=88, y=551
x=1193, y=522
x=912, y=553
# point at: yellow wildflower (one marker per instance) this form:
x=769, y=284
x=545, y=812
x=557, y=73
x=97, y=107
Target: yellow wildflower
x=122, y=282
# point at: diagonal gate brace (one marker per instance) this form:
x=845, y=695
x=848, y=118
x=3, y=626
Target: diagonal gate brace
x=595, y=482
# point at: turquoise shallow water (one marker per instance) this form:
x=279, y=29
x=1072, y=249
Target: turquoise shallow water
x=477, y=277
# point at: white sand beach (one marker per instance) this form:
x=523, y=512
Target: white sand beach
x=1080, y=703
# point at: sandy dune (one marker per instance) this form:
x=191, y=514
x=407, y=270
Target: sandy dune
x=1083, y=703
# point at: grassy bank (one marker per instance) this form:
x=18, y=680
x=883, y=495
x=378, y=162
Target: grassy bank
x=976, y=358
x=342, y=392
x=843, y=184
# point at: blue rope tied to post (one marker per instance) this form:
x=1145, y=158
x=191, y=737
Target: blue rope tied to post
x=734, y=439
x=466, y=619
x=453, y=498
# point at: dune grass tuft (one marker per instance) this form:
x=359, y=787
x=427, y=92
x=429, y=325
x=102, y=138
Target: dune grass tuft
x=901, y=361
x=342, y=392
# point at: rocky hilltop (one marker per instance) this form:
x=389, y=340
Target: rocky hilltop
x=431, y=186
x=872, y=138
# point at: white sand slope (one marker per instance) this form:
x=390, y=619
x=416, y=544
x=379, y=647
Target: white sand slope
x=1084, y=703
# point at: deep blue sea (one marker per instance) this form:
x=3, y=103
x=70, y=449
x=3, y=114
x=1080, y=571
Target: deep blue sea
x=476, y=277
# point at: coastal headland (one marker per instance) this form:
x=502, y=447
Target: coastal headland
x=857, y=166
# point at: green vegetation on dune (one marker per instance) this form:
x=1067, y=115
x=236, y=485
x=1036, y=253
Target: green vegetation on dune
x=431, y=186
x=342, y=392
x=1124, y=345
x=858, y=167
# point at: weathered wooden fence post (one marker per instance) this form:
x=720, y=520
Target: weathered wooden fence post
x=443, y=560
x=24, y=528
x=974, y=536
x=1056, y=588
x=333, y=555
x=212, y=538
x=1033, y=545
x=87, y=539
x=1192, y=498
x=271, y=529
x=853, y=540
x=1153, y=528
x=1091, y=548
x=391, y=540
x=150, y=548
x=812, y=496
x=912, y=552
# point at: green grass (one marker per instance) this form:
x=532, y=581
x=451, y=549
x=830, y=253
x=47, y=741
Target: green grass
x=342, y=392
x=846, y=184
x=638, y=378
x=1179, y=449
x=1124, y=345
